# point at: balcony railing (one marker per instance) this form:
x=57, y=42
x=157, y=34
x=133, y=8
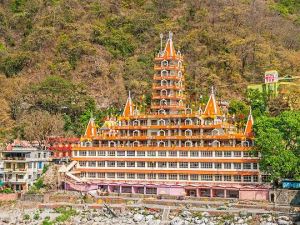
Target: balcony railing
x=159, y=87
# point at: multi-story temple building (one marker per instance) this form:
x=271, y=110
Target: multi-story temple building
x=171, y=150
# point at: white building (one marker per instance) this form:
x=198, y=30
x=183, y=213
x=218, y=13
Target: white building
x=23, y=164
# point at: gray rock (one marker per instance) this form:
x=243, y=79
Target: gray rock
x=286, y=218
x=243, y=213
x=205, y=214
x=240, y=221
x=177, y=221
x=283, y=222
x=149, y=217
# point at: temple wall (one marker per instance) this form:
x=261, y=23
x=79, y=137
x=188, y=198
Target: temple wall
x=254, y=194
x=171, y=191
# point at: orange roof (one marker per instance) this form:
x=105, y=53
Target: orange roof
x=128, y=109
x=91, y=130
x=212, y=108
x=249, y=125
x=169, y=48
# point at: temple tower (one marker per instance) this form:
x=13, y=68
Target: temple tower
x=168, y=81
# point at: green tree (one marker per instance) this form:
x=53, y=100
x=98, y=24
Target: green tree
x=240, y=110
x=277, y=140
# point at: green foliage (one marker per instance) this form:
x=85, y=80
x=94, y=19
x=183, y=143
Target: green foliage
x=258, y=102
x=66, y=214
x=36, y=216
x=240, y=110
x=7, y=191
x=12, y=64
x=17, y=5
x=287, y=7
x=45, y=169
x=277, y=140
x=37, y=186
x=26, y=217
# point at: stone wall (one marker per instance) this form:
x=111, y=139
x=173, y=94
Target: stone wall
x=8, y=197
x=285, y=197
x=33, y=197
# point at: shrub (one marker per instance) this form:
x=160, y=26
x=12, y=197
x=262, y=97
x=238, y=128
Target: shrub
x=12, y=64
x=7, y=191
x=26, y=217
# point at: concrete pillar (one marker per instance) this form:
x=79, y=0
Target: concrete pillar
x=225, y=193
x=198, y=192
x=144, y=190
x=133, y=190
x=211, y=192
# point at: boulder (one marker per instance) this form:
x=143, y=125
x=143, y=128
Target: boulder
x=138, y=217
x=177, y=221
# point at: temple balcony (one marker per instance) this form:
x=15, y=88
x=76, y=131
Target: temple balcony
x=169, y=67
x=159, y=77
x=155, y=127
x=161, y=58
x=173, y=97
x=167, y=106
x=160, y=87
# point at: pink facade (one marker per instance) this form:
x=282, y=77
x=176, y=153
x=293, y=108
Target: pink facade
x=262, y=194
x=8, y=197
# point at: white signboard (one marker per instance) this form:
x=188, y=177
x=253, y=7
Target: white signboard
x=271, y=76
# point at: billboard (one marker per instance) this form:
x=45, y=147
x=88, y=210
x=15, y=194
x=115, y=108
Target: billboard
x=271, y=76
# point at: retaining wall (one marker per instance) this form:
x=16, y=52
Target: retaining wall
x=8, y=197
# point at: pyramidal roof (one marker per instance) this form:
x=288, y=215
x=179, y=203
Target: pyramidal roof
x=249, y=125
x=212, y=108
x=129, y=107
x=91, y=129
x=169, y=50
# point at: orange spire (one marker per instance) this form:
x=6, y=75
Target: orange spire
x=212, y=108
x=128, y=109
x=249, y=125
x=91, y=130
x=169, y=49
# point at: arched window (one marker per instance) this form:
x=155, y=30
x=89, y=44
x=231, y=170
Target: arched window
x=112, y=144
x=161, y=143
x=163, y=102
x=215, y=143
x=161, y=133
x=245, y=143
x=136, y=144
x=163, y=92
x=188, y=132
x=188, y=111
x=188, y=144
x=161, y=122
x=181, y=103
x=179, y=64
x=136, y=123
x=164, y=83
x=180, y=83
x=188, y=121
x=88, y=144
x=164, y=63
x=179, y=74
x=164, y=73
x=136, y=133
x=162, y=111
x=215, y=132
x=180, y=93
x=136, y=112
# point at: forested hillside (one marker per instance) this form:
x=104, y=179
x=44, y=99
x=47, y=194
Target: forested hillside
x=66, y=58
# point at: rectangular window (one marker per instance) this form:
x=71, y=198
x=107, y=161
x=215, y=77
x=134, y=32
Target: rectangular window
x=162, y=165
x=227, y=166
x=194, y=154
x=141, y=176
x=218, y=165
x=121, y=175
x=237, y=166
x=194, y=177
x=162, y=176
x=82, y=163
x=227, y=154
x=254, y=166
x=111, y=175
x=206, y=177
x=255, y=178
x=247, y=178
x=152, y=176
x=101, y=175
x=219, y=154
x=141, y=164
x=120, y=153
x=183, y=165
x=206, y=165
x=237, y=154
x=162, y=153
x=172, y=176
x=246, y=154
x=183, y=177
x=173, y=153
x=151, y=164
x=92, y=175
x=92, y=164
x=111, y=153
x=172, y=164
x=131, y=153
x=130, y=176
x=75, y=153
x=218, y=177
x=130, y=164
x=194, y=165
x=101, y=153
x=227, y=177
x=151, y=153
x=237, y=178
x=206, y=154
x=101, y=163
x=120, y=164
x=183, y=154
x=82, y=153
x=141, y=153
x=92, y=153
x=111, y=164
x=247, y=166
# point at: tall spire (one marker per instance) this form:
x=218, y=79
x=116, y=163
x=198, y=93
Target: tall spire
x=212, y=108
x=91, y=129
x=169, y=48
x=249, y=125
x=129, y=106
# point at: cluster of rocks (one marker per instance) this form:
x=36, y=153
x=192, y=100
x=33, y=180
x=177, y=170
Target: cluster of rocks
x=272, y=220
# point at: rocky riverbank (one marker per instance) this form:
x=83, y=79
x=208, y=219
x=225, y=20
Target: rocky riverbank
x=141, y=216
